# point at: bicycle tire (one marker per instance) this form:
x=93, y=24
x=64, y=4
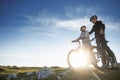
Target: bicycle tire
x=108, y=60
x=111, y=59
x=69, y=63
x=114, y=60
x=106, y=57
x=68, y=59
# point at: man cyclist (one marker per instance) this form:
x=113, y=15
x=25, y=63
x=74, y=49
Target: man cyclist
x=99, y=29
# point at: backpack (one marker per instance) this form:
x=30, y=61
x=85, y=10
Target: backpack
x=102, y=27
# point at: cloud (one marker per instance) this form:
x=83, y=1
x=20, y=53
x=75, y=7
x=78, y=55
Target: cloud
x=74, y=17
x=80, y=11
x=52, y=23
x=73, y=24
x=81, y=14
x=111, y=23
x=38, y=25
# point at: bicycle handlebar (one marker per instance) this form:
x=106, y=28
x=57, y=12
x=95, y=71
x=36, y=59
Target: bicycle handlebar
x=76, y=41
x=80, y=42
x=92, y=39
x=95, y=38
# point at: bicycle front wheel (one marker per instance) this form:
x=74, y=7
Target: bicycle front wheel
x=68, y=58
x=76, y=59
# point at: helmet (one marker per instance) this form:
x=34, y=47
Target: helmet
x=82, y=27
x=93, y=17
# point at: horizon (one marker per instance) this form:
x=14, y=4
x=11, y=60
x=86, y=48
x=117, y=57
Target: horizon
x=40, y=32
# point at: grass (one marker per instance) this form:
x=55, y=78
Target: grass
x=4, y=70
x=82, y=74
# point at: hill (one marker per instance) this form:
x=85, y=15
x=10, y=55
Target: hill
x=81, y=74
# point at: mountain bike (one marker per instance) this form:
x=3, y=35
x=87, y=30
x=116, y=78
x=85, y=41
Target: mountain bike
x=111, y=61
x=78, y=50
x=109, y=56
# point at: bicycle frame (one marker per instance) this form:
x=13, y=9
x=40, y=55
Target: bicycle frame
x=80, y=46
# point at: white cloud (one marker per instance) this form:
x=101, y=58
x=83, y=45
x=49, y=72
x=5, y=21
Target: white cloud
x=74, y=18
x=110, y=23
x=73, y=24
x=82, y=14
x=70, y=24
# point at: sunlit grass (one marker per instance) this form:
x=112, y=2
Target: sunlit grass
x=80, y=74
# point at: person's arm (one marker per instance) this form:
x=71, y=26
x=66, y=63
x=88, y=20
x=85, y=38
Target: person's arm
x=77, y=39
x=92, y=30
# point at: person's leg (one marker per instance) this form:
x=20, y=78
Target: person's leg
x=86, y=50
x=92, y=57
x=105, y=46
x=99, y=48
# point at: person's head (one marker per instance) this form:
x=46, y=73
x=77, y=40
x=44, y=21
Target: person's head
x=93, y=19
x=83, y=28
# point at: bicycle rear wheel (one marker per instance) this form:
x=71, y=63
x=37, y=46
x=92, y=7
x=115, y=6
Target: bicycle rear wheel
x=111, y=59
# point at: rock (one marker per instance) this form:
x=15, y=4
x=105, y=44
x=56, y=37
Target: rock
x=12, y=76
x=45, y=73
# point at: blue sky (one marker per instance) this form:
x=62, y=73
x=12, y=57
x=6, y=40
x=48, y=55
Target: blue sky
x=39, y=32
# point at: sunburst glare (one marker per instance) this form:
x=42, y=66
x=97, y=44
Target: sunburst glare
x=79, y=59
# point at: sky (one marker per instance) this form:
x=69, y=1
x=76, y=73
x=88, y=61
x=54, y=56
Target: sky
x=39, y=32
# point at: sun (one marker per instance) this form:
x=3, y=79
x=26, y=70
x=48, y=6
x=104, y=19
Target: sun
x=79, y=59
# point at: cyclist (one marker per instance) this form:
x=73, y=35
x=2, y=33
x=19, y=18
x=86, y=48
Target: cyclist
x=86, y=44
x=99, y=29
